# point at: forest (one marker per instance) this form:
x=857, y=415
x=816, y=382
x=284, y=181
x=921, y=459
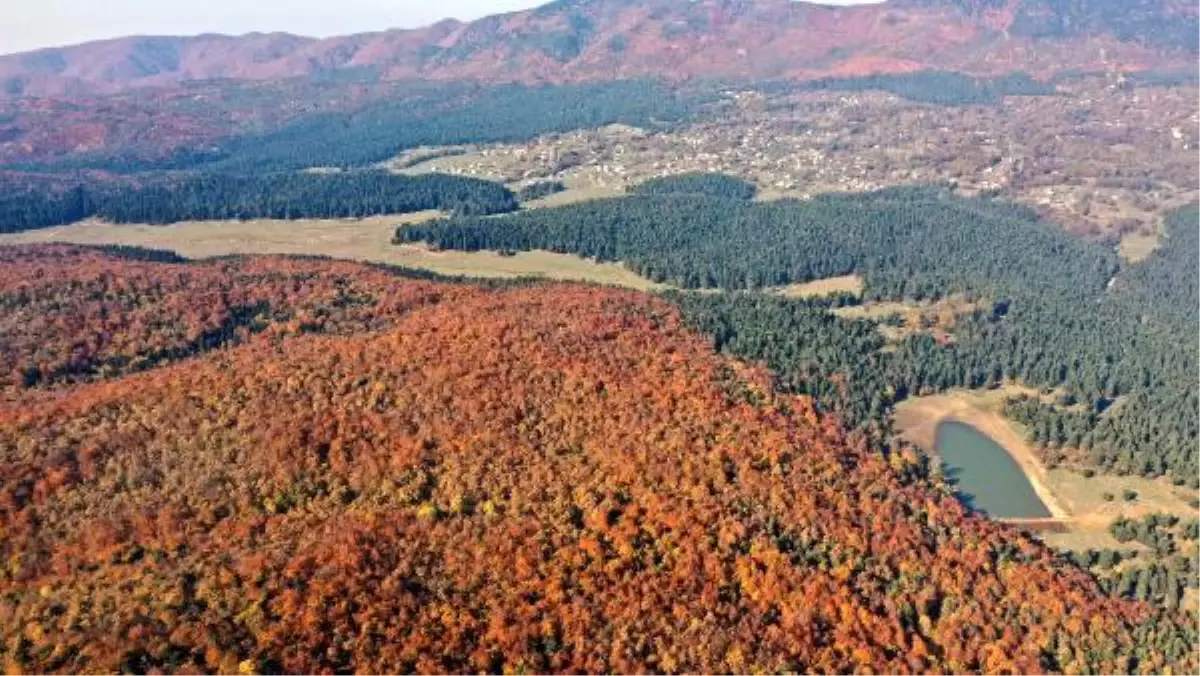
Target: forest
x=186, y=197
x=1159, y=572
x=329, y=487
x=460, y=114
x=378, y=125
x=699, y=184
x=1141, y=22
x=1052, y=310
x=934, y=86
x=418, y=115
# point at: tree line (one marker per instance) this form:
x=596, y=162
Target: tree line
x=419, y=115
x=1051, y=311
x=1160, y=573
x=931, y=86
x=390, y=476
x=172, y=198
x=698, y=183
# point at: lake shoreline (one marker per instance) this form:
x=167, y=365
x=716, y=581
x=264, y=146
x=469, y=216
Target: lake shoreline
x=917, y=420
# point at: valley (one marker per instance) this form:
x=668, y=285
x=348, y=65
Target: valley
x=609, y=336
x=904, y=323
x=1071, y=155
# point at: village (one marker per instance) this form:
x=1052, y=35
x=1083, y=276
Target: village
x=1103, y=159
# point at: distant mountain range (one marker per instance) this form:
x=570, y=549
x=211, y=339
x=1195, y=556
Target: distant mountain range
x=589, y=40
x=176, y=101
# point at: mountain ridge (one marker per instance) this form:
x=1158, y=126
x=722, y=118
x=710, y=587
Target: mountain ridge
x=588, y=40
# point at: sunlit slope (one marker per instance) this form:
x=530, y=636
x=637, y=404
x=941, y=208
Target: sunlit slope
x=372, y=473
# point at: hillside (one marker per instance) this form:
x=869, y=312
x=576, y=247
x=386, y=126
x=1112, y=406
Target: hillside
x=186, y=100
x=1052, y=310
x=575, y=40
x=304, y=465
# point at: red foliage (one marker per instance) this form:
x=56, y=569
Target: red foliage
x=553, y=478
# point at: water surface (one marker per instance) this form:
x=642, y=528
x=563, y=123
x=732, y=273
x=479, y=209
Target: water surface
x=988, y=479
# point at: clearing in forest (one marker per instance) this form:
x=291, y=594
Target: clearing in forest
x=1137, y=246
x=917, y=420
x=367, y=239
x=852, y=284
x=899, y=320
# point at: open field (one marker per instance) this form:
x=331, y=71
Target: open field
x=354, y=239
x=578, y=190
x=852, y=284
x=1083, y=497
x=936, y=318
x=943, y=311
x=1073, y=499
x=1137, y=246
x=877, y=310
x=476, y=162
x=369, y=239
x=465, y=160
x=1191, y=600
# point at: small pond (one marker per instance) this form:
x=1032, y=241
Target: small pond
x=987, y=478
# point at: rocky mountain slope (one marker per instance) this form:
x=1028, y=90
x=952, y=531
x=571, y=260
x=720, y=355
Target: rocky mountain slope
x=576, y=40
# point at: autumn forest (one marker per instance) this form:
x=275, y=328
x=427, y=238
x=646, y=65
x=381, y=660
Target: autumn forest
x=602, y=337
x=265, y=464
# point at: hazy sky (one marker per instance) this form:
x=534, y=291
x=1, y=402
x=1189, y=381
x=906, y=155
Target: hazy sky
x=29, y=24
